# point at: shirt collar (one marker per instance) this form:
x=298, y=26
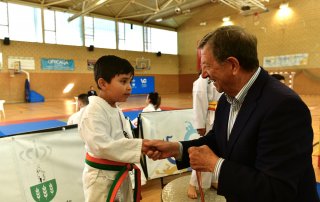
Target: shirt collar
x=238, y=99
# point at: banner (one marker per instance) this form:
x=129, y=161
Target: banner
x=286, y=60
x=57, y=64
x=142, y=84
x=42, y=167
x=175, y=125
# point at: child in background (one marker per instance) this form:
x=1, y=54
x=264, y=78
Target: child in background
x=107, y=134
x=82, y=102
x=153, y=102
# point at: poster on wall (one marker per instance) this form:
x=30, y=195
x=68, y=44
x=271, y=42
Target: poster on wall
x=286, y=60
x=90, y=64
x=57, y=64
x=26, y=63
x=142, y=84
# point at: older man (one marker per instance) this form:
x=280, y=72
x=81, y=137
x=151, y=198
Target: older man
x=259, y=149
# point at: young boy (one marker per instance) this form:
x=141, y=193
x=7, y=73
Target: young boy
x=107, y=135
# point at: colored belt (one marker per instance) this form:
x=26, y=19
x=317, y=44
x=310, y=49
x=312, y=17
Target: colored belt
x=199, y=179
x=212, y=105
x=123, y=169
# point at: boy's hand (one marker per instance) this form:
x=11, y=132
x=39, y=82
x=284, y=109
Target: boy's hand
x=159, y=149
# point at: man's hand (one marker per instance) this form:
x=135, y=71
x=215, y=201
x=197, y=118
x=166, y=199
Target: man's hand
x=202, y=158
x=159, y=149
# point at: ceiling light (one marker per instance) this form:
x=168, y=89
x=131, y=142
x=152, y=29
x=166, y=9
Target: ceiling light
x=284, y=11
x=159, y=20
x=284, y=6
x=226, y=19
x=204, y=23
x=68, y=88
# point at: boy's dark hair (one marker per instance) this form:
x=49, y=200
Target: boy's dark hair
x=109, y=66
x=83, y=98
x=155, y=99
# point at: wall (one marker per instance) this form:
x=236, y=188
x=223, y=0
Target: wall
x=298, y=34
x=51, y=83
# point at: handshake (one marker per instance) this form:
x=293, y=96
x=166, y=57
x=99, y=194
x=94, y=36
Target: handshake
x=200, y=158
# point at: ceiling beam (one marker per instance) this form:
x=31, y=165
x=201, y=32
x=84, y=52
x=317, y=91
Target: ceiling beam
x=171, y=10
x=96, y=5
x=124, y=8
x=55, y=2
x=142, y=5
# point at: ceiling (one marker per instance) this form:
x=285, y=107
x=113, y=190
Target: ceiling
x=172, y=12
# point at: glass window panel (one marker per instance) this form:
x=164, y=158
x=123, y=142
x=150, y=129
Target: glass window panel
x=154, y=44
x=68, y=33
x=104, y=33
x=3, y=14
x=25, y=23
x=49, y=22
x=100, y=32
x=130, y=37
x=88, y=24
x=4, y=32
x=50, y=37
x=88, y=40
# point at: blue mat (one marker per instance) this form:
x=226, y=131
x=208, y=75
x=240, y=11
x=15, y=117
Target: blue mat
x=30, y=126
x=132, y=114
x=41, y=125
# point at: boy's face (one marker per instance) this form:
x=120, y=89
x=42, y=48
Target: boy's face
x=118, y=90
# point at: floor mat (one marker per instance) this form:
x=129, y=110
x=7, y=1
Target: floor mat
x=30, y=126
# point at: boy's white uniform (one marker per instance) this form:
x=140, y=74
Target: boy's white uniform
x=205, y=97
x=101, y=128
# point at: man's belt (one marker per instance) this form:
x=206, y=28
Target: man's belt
x=123, y=168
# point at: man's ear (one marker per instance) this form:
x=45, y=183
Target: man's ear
x=234, y=64
x=102, y=83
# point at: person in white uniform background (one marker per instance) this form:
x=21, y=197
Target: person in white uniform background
x=205, y=97
x=83, y=101
x=106, y=133
x=153, y=102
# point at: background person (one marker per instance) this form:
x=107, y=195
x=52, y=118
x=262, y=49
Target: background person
x=92, y=91
x=153, y=102
x=205, y=97
x=260, y=147
x=82, y=102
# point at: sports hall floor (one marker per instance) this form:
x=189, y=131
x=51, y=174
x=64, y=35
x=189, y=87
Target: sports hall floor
x=61, y=109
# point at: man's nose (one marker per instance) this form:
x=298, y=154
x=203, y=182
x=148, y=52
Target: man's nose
x=204, y=74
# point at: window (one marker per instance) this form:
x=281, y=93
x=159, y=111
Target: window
x=153, y=43
x=130, y=37
x=49, y=27
x=58, y=30
x=24, y=23
x=100, y=32
x=4, y=28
